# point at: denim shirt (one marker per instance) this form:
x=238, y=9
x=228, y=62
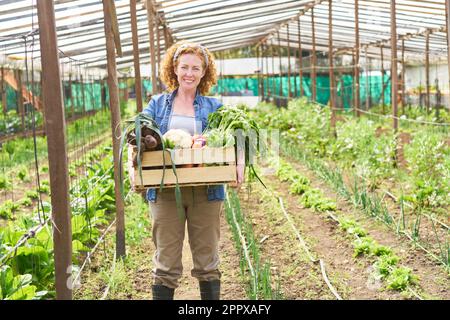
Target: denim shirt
x=160, y=109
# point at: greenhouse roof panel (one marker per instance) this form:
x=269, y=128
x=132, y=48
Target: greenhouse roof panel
x=226, y=24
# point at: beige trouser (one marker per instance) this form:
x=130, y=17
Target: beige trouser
x=168, y=229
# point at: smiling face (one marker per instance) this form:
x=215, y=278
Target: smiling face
x=189, y=71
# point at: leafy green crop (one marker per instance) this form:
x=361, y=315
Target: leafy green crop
x=400, y=278
x=238, y=122
x=299, y=187
x=32, y=194
x=23, y=174
x=5, y=184
x=26, y=202
x=17, y=287
x=30, y=269
x=385, y=264
x=7, y=208
x=352, y=227
x=313, y=198
x=215, y=138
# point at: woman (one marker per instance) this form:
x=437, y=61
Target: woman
x=188, y=71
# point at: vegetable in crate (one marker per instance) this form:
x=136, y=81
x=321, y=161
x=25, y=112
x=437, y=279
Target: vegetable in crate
x=177, y=139
x=218, y=139
x=198, y=141
x=141, y=132
x=237, y=121
x=150, y=141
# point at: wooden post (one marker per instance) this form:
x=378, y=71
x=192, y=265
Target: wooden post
x=258, y=72
x=403, y=77
x=314, y=61
x=366, y=60
x=151, y=31
x=295, y=74
x=115, y=123
x=289, y=62
x=3, y=91
x=370, y=81
x=166, y=38
x=158, y=49
x=137, y=64
x=266, y=46
x=356, y=66
x=20, y=102
x=57, y=150
x=261, y=70
x=300, y=56
x=272, y=52
x=125, y=90
x=427, y=71
x=103, y=93
x=394, y=75
x=447, y=15
x=382, y=78
x=83, y=94
x=331, y=63
x=72, y=103
x=279, y=55
x=263, y=87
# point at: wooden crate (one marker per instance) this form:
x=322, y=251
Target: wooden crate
x=210, y=166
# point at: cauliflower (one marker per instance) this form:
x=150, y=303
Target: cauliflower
x=177, y=138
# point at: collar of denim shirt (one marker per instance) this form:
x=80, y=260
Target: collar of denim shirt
x=172, y=95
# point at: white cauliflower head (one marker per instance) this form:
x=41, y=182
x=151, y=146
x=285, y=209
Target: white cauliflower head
x=179, y=138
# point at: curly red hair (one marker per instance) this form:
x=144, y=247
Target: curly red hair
x=167, y=73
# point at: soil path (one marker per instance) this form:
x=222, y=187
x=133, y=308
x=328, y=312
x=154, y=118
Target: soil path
x=231, y=284
x=133, y=279
x=433, y=278
x=299, y=278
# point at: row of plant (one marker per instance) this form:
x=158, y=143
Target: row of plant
x=28, y=271
x=305, y=136
x=11, y=122
x=412, y=112
x=20, y=151
x=270, y=201
x=366, y=148
x=254, y=271
x=386, y=266
x=9, y=207
x=374, y=206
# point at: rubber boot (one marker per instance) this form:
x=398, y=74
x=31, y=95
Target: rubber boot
x=161, y=292
x=210, y=290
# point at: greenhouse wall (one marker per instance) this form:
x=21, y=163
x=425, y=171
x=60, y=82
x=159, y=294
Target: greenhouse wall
x=249, y=86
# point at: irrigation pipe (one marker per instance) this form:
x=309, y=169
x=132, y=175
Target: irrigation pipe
x=302, y=242
x=444, y=124
x=90, y=253
x=410, y=238
x=399, y=232
x=416, y=243
x=105, y=294
x=406, y=203
x=391, y=269
x=408, y=287
x=247, y=256
x=411, y=207
x=30, y=234
x=311, y=258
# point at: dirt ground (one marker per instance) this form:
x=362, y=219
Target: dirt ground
x=136, y=281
